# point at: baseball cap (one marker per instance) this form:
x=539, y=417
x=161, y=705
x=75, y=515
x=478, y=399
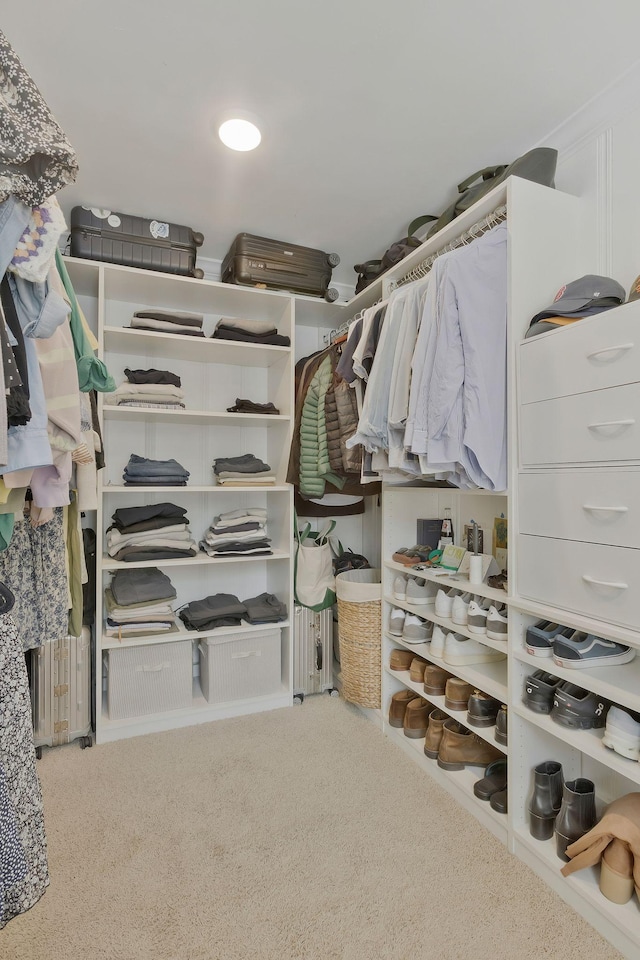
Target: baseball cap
x=552, y=323
x=634, y=292
x=582, y=295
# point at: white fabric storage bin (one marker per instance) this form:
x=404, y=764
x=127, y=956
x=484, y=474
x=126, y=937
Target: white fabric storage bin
x=149, y=679
x=239, y=667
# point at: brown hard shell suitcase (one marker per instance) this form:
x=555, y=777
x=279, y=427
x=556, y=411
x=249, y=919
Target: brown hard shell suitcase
x=261, y=262
x=105, y=235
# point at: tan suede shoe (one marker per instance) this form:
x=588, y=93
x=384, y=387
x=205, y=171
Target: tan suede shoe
x=457, y=693
x=398, y=706
x=435, y=679
x=434, y=733
x=416, y=672
x=416, y=718
x=401, y=659
x=460, y=747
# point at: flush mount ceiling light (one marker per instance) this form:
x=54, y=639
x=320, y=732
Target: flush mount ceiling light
x=239, y=134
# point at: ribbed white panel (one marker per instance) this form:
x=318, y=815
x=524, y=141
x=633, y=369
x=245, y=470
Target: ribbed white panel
x=312, y=651
x=237, y=667
x=61, y=690
x=149, y=679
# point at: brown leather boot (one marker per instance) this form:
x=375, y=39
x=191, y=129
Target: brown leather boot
x=397, y=709
x=401, y=659
x=457, y=693
x=460, y=747
x=416, y=671
x=416, y=718
x=434, y=733
x=435, y=679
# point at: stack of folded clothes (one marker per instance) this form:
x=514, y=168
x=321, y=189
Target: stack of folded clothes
x=237, y=533
x=169, y=321
x=245, y=470
x=138, y=603
x=250, y=406
x=219, y=610
x=158, y=389
x=249, y=331
x=265, y=608
x=155, y=473
x=155, y=531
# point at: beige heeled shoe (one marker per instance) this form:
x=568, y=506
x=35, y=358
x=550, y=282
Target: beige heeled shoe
x=616, y=872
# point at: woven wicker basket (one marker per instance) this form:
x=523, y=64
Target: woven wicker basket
x=359, y=628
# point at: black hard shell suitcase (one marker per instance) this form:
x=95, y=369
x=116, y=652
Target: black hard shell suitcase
x=98, y=234
x=258, y=261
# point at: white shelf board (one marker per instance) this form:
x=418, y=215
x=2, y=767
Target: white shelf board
x=173, y=346
x=490, y=678
x=601, y=628
x=586, y=741
x=199, y=417
x=184, y=634
x=200, y=558
x=485, y=733
x=619, y=684
x=426, y=611
x=459, y=783
x=214, y=488
x=451, y=580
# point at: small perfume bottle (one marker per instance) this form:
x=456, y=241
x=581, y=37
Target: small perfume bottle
x=446, y=537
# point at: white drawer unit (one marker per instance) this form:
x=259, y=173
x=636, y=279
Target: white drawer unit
x=591, y=354
x=596, y=506
x=149, y=679
x=239, y=667
x=598, y=427
x=597, y=581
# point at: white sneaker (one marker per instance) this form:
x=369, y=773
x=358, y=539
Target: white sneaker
x=460, y=608
x=400, y=588
x=444, y=602
x=497, y=623
x=461, y=651
x=421, y=591
x=622, y=733
x=416, y=630
x=477, y=616
x=437, y=641
x=396, y=622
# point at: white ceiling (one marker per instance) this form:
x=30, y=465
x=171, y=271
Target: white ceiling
x=371, y=111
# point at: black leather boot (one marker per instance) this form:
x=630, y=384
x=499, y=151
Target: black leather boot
x=546, y=799
x=577, y=814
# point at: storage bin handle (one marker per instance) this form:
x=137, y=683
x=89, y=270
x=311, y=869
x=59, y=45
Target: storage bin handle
x=590, y=506
x=605, y=583
x=243, y=656
x=147, y=669
x=612, y=423
x=617, y=349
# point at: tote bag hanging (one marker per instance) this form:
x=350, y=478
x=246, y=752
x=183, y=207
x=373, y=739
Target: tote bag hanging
x=314, y=582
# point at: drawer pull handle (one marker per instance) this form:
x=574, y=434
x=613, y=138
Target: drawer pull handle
x=620, y=347
x=590, y=506
x=612, y=423
x=243, y=656
x=605, y=583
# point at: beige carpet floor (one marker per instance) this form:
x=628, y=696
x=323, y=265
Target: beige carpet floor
x=301, y=834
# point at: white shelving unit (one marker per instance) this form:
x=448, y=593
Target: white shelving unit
x=213, y=374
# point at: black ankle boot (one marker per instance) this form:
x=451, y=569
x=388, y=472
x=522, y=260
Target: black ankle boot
x=546, y=799
x=577, y=813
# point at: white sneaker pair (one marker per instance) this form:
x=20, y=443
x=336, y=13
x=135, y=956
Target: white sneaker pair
x=412, y=590
x=463, y=651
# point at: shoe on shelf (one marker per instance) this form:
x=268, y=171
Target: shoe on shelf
x=616, y=872
x=540, y=636
x=444, y=602
x=460, y=747
x=497, y=623
x=435, y=680
x=438, y=638
x=416, y=630
x=434, y=733
x=539, y=690
x=462, y=651
x=498, y=580
x=400, y=588
x=421, y=591
x=545, y=799
x=416, y=670
x=498, y=801
x=586, y=650
x=416, y=718
x=396, y=622
x=482, y=709
x=457, y=693
x=398, y=707
x=577, y=814
x=622, y=732
x=500, y=734
x=477, y=616
x=494, y=780
x=577, y=708
x=460, y=608
x=401, y=659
